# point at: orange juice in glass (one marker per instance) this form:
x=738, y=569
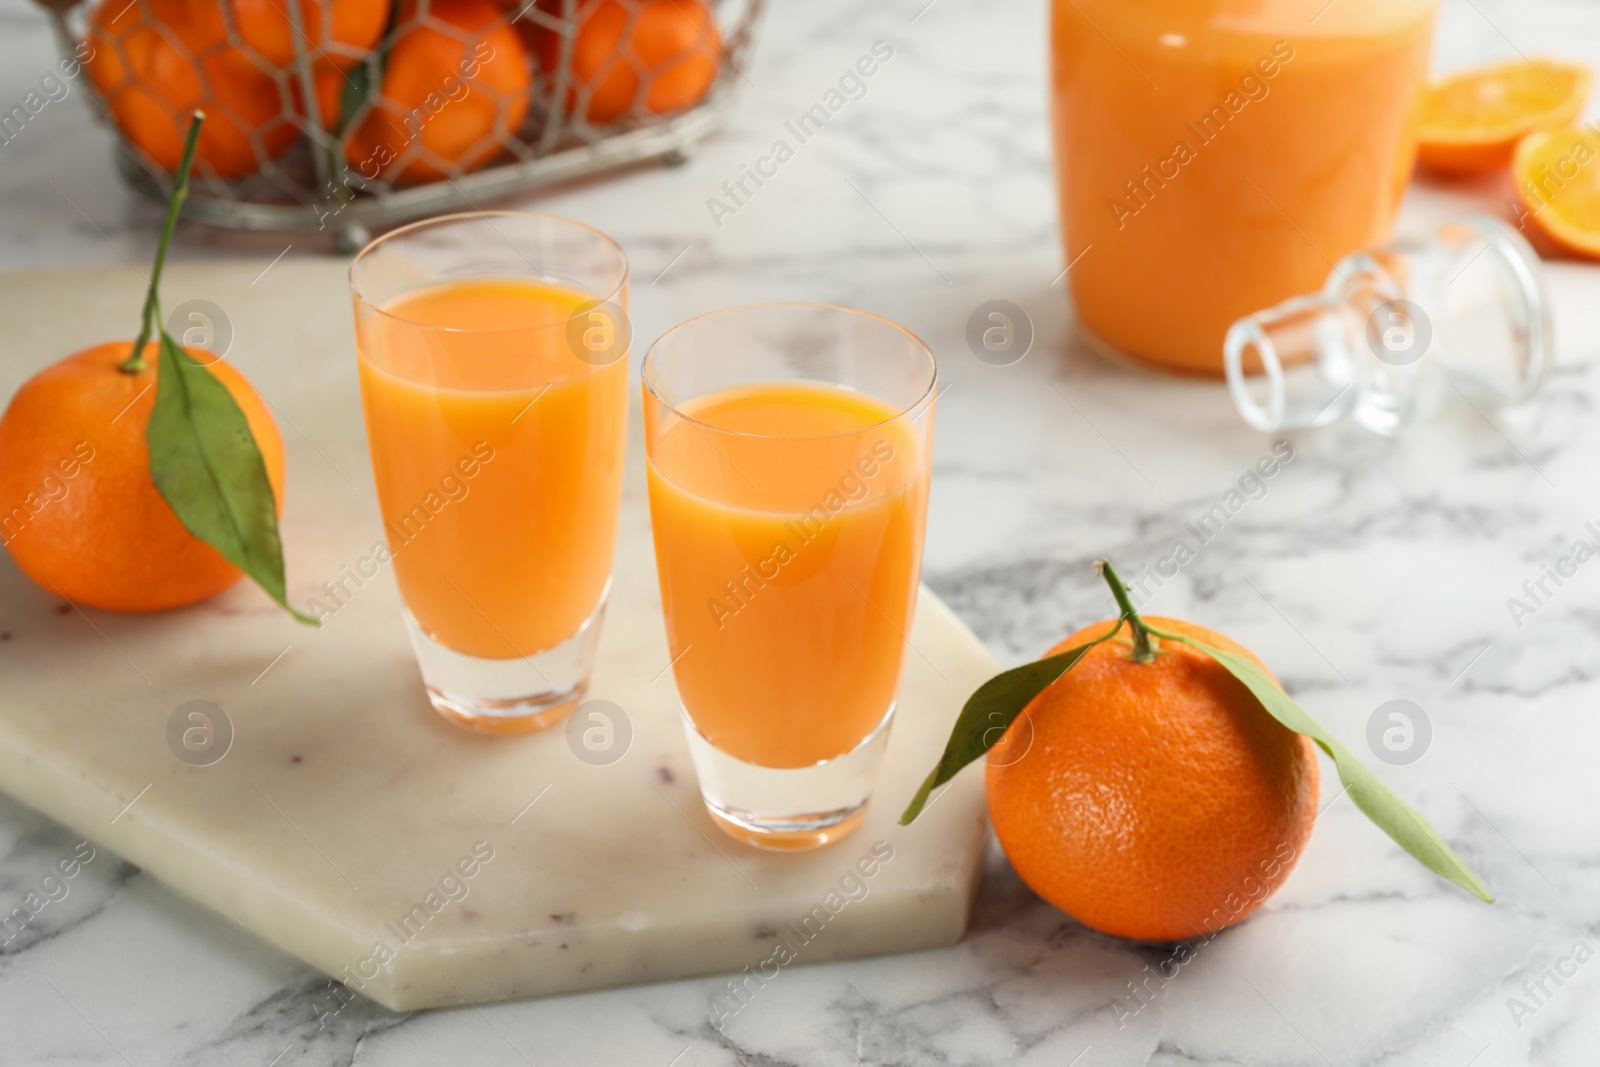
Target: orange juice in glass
x=492, y=351
x=1215, y=157
x=788, y=452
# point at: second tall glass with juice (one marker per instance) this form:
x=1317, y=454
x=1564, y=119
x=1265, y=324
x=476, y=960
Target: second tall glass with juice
x=788, y=523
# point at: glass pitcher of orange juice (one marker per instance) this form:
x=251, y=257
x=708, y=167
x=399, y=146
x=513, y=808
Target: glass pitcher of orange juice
x=1218, y=156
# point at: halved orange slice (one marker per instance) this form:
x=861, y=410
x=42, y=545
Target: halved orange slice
x=1557, y=175
x=1471, y=121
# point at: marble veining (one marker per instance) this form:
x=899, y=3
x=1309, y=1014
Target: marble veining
x=1371, y=570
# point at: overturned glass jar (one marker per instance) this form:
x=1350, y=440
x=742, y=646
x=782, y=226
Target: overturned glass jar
x=1393, y=329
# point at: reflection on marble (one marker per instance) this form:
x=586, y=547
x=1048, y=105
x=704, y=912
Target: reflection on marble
x=1373, y=570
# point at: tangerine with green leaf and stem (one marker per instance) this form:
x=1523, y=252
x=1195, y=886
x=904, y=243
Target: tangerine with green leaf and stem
x=1152, y=779
x=139, y=476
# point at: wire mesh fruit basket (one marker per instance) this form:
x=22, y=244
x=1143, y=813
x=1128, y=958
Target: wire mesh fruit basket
x=349, y=115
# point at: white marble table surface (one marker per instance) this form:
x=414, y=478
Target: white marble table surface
x=1372, y=571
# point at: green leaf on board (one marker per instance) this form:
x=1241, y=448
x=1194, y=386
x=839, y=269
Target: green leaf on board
x=206, y=464
x=203, y=458
x=1388, y=812
x=991, y=710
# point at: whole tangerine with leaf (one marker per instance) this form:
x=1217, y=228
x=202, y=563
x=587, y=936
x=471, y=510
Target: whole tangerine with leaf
x=1151, y=778
x=139, y=476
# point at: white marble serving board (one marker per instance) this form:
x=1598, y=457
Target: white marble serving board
x=344, y=800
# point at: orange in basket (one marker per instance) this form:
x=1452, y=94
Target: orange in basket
x=260, y=33
x=454, y=90
x=338, y=32
x=1471, y=121
x=670, y=48
x=152, y=81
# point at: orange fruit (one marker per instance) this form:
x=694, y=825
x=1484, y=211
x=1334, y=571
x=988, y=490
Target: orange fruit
x=260, y=34
x=1471, y=121
x=1157, y=801
x=1557, y=177
x=151, y=80
x=330, y=85
x=339, y=32
x=455, y=89
x=672, y=47
x=103, y=534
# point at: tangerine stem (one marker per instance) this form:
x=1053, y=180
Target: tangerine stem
x=1143, y=651
x=180, y=191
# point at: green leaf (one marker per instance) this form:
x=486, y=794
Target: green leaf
x=1391, y=814
x=206, y=464
x=357, y=88
x=991, y=710
x=362, y=83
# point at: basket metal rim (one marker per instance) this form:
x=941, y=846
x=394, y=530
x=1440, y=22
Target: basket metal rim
x=351, y=220
x=497, y=182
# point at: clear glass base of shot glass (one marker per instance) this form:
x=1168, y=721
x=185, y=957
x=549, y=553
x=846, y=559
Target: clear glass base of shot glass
x=508, y=696
x=787, y=808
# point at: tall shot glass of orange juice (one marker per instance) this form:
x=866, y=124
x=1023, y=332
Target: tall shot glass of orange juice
x=492, y=351
x=788, y=450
